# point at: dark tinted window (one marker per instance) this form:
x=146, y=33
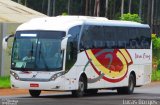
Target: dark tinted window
x=115, y=37
x=92, y=37
x=86, y=38
x=98, y=35
x=72, y=46
x=145, y=38
x=74, y=32
x=139, y=38
x=109, y=37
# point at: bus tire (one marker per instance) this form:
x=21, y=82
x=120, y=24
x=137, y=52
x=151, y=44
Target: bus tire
x=130, y=88
x=91, y=91
x=35, y=93
x=81, y=88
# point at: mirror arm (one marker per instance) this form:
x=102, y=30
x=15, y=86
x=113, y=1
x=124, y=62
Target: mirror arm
x=5, y=41
x=12, y=35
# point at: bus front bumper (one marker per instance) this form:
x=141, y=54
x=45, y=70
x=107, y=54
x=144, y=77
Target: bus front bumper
x=58, y=84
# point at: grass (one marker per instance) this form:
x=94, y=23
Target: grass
x=156, y=75
x=5, y=82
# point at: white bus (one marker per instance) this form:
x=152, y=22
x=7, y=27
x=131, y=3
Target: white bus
x=80, y=54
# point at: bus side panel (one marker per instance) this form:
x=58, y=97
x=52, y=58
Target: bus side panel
x=132, y=60
x=108, y=67
x=142, y=58
x=78, y=68
x=98, y=75
x=84, y=65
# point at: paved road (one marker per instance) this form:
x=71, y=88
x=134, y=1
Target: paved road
x=147, y=95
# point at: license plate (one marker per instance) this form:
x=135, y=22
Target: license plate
x=34, y=85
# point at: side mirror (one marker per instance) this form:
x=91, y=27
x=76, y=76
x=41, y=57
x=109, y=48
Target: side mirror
x=5, y=41
x=64, y=42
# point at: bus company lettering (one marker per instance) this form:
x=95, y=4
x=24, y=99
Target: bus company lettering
x=143, y=56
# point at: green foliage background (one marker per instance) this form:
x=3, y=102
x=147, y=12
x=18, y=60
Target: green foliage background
x=131, y=17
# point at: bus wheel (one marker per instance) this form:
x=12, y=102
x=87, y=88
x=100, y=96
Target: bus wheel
x=35, y=93
x=91, y=91
x=81, y=88
x=130, y=88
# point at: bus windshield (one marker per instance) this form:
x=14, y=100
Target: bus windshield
x=37, y=51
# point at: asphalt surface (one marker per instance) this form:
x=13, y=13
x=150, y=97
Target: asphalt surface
x=147, y=95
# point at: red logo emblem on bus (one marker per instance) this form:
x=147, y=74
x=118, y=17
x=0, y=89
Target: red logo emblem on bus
x=110, y=64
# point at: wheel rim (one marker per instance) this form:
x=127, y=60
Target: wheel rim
x=81, y=86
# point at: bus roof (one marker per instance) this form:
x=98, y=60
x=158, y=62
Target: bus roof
x=63, y=23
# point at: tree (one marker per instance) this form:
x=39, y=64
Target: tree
x=86, y=8
x=156, y=49
x=148, y=12
x=90, y=7
x=97, y=8
x=156, y=17
x=54, y=7
x=131, y=17
x=140, y=8
x=49, y=8
x=69, y=1
x=156, y=42
x=25, y=3
x=152, y=13
x=122, y=7
x=130, y=4
x=106, y=9
x=19, y=1
x=114, y=8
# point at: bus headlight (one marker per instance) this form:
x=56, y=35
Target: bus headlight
x=55, y=76
x=14, y=75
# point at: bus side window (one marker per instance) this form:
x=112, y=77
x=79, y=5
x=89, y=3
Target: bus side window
x=71, y=54
x=122, y=37
x=72, y=47
x=145, y=38
x=97, y=38
x=85, y=39
x=109, y=37
x=92, y=37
